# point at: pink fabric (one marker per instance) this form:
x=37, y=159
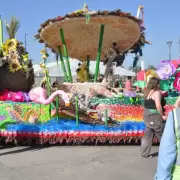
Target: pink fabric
x=37, y=95
x=128, y=86
x=141, y=75
x=15, y=96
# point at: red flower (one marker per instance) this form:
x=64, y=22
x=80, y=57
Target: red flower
x=58, y=18
x=177, y=81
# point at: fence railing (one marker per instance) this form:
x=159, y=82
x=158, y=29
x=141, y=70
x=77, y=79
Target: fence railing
x=38, y=80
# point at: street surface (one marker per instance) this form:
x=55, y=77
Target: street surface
x=76, y=163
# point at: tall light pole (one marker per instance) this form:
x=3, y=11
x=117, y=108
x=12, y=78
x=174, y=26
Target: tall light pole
x=25, y=42
x=169, y=43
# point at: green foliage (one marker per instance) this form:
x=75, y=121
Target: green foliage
x=12, y=27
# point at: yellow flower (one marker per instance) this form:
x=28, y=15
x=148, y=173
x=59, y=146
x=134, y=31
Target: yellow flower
x=44, y=80
x=42, y=65
x=44, y=56
x=14, y=66
x=5, y=50
x=25, y=67
x=13, y=55
x=26, y=57
x=9, y=44
x=43, y=51
x=12, y=43
x=45, y=71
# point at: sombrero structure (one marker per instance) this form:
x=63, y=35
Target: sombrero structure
x=79, y=31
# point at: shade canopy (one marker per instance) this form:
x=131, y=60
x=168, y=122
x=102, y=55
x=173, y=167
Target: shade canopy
x=123, y=72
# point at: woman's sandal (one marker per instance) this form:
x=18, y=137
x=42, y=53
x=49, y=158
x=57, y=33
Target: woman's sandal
x=146, y=157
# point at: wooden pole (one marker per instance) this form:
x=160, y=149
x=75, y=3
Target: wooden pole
x=48, y=86
x=77, y=112
x=88, y=63
x=62, y=64
x=99, y=52
x=57, y=109
x=106, y=117
x=66, y=55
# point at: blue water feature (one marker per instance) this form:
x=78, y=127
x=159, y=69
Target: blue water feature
x=70, y=125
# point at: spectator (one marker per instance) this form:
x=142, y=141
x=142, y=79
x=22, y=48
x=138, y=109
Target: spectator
x=128, y=85
x=153, y=116
x=168, y=167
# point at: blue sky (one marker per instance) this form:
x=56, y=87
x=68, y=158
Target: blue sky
x=162, y=19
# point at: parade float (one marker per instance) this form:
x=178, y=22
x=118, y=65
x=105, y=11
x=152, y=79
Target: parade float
x=84, y=112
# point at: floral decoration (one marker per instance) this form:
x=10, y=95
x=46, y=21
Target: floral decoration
x=165, y=69
x=44, y=54
x=177, y=81
x=130, y=94
x=16, y=57
x=14, y=66
x=150, y=73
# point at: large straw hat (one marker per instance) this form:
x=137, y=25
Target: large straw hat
x=82, y=37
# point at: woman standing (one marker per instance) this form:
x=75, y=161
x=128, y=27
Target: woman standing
x=153, y=116
x=128, y=85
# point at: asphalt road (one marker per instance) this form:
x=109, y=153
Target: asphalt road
x=76, y=163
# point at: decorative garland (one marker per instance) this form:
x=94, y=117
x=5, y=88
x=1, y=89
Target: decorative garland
x=44, y=54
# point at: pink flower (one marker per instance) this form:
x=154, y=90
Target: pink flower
x=177, y=81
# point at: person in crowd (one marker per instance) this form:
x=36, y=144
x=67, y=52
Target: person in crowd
x=116, y=84
x=168, y=167
x=55, y=83
x=100, y=78
x=43, y=85
x=154, y=116
x=128, y=85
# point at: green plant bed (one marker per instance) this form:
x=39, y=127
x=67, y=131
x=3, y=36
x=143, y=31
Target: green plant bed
x=128, y=101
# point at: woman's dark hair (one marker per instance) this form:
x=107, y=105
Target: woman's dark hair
x=116, y=84
x=151, y=85
x=43, y=85
x=129, y=77
x=55, y=83
x=121, y=90
x=100, y=78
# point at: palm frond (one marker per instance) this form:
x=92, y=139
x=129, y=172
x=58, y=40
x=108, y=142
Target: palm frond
x=12, y=27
